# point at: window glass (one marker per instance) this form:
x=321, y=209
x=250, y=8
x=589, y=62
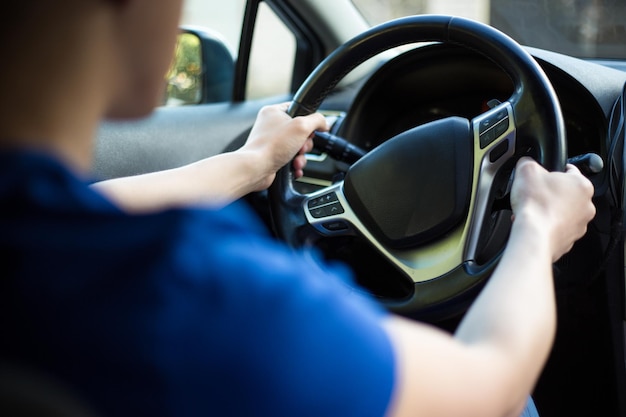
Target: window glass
x=583, y=28
x=273, y=47
x=272, y=58
x=224, y=17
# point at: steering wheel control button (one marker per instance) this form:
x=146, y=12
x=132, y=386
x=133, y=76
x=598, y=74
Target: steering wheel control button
x=336, y=226
x=491, y=120
x=323, y=200
x=493, y=127
x=334, y=209
x=502, y=126
x=325, y=206
x=486, y=138
x=499, y=151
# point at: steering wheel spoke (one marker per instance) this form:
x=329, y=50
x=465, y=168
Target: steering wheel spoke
x=330, y=213
x=494, y=135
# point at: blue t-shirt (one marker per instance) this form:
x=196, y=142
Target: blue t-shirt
x=182, y=313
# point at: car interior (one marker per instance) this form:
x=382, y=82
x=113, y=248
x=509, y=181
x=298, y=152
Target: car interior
x=433, y=79
x=400, y=97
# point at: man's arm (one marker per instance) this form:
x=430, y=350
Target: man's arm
x=490, y=365
x=275, y=140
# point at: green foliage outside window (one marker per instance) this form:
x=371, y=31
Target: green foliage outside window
x=184, y=85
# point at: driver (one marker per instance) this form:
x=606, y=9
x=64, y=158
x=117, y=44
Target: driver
x=181, y=309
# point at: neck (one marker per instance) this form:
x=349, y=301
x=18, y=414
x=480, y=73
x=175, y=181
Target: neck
x=55, y=86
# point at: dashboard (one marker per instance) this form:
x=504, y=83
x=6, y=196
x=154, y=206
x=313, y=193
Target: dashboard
x=438, y=81
x=435, y=81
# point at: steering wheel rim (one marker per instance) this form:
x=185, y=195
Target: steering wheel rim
x=534, y=121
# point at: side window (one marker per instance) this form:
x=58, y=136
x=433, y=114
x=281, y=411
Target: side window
x=272, y=55
x=225, y=18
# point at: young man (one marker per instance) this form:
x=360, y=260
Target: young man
x=196, y=311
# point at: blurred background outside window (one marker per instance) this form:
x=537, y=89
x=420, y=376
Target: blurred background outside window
x=583, y=28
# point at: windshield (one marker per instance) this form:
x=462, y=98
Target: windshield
x=582, y=28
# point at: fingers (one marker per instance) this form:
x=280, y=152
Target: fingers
x=299, y=162
x=308, y=145
x=284, y=106
x=526, y=160
x=527, y=163
x=560, y=202
x=279, y=136
x=306, y=125
x=312, y=122
x=572, y=168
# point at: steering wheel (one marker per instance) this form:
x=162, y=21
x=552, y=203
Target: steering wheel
x=433, y=199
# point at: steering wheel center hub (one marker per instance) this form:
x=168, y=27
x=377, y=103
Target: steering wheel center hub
x=391, y=189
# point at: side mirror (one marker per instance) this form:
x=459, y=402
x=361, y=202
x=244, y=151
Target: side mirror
x=202, y=70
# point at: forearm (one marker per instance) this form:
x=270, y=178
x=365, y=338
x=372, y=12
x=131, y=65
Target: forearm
x=516, y=309
x=515, y=312
x=275, y=140
x=490, y=365
x=216, y=181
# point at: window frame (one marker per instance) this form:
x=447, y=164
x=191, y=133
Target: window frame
x=309, y=48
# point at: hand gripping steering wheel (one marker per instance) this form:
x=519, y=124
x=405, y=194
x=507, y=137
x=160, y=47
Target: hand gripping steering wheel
x=425, y=198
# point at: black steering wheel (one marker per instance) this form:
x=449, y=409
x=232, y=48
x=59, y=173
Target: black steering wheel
x=431, y=200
